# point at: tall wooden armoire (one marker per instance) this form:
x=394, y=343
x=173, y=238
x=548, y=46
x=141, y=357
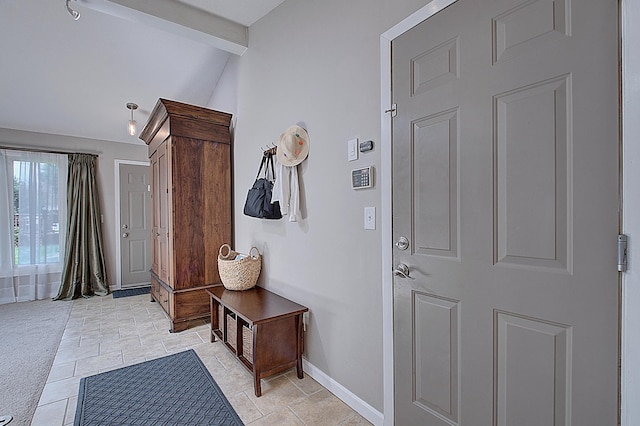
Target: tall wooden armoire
x=191, y=205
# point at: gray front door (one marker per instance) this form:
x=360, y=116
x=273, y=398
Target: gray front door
x=505, y=186
x=135, y=248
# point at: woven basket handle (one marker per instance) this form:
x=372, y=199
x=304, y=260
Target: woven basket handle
x=251, y=253
x=224, y=256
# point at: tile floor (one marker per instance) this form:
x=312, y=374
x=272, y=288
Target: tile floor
x=105, y=333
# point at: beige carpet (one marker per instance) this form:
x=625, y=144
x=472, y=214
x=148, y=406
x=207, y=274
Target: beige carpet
x=30, y=333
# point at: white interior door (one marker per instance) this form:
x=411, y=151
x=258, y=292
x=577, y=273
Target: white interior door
x=505, y=186
x=135, y=231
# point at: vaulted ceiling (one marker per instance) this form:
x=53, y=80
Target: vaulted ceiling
x=74, y=77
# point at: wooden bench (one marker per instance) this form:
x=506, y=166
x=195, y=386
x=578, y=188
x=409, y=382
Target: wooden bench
x=262, y=329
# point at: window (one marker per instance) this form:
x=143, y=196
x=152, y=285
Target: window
x=33, y=214
x=36, y=210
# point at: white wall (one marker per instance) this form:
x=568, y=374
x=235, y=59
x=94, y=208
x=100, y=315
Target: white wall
x=318, y=64
x=107, y=153
x=225, y=95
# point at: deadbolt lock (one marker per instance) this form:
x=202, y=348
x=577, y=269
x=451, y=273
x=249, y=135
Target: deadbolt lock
x=402, y=243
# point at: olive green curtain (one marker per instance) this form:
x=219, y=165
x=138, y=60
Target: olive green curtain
x=83, y=270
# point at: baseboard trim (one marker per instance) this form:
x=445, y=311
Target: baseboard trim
x=364, y=409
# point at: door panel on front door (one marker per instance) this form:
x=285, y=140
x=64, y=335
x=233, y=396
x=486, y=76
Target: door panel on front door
x=531, y=174
x=434, y=173
x=505, y=183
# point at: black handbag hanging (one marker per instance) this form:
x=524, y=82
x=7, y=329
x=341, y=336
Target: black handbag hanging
x=258, y=203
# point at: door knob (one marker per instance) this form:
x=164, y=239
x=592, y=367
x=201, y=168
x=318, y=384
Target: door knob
x=402, y=270
x=402, y=243
x=125, y=226
x=125, y=235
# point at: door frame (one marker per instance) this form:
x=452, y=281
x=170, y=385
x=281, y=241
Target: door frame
x=630, y=351
x=386, y=38
x=117, y=164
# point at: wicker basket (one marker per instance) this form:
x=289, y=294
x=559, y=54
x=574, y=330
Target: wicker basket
x=239, y=271
x=247, y=338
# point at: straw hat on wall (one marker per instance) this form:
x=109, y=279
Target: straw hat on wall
x=293, y=146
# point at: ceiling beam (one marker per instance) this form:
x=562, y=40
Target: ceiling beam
x=180, y=19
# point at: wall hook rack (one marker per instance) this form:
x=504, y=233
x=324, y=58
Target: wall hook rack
x=270, y=150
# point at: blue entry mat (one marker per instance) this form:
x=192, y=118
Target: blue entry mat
x=131, y=292
x=172, y=390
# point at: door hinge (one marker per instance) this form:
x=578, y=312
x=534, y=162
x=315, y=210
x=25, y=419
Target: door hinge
x=622, y=253
x=393, y=110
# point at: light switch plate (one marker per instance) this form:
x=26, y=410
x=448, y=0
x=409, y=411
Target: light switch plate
x=352, y=150
x=369, y=218
x=305, y=320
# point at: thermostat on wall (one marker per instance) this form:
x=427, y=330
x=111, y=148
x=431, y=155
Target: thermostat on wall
x=362, y=178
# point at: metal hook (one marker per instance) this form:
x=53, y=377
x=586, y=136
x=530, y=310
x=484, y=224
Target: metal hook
x=74, y=13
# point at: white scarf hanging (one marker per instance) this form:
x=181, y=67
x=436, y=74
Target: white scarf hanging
x=286, y=191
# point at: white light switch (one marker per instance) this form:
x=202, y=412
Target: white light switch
x=352, y=150
x=305, y=320
x=369, y=218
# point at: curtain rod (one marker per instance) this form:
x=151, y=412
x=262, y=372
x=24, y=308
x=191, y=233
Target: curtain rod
x=47, y=151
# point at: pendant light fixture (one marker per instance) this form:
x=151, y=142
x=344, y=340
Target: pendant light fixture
x=132, y=126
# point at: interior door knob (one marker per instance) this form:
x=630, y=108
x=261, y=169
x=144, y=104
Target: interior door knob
x=402, y=270
x=125, y=235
